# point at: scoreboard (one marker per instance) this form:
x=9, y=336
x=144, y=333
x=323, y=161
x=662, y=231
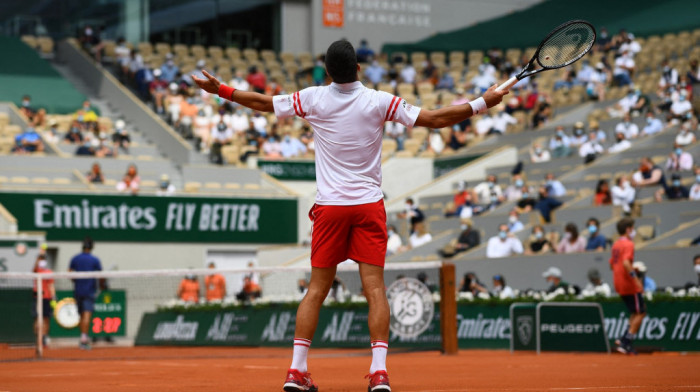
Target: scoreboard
x=108, y=319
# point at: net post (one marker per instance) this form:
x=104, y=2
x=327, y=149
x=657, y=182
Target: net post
x=39, y=317
x=448, y=309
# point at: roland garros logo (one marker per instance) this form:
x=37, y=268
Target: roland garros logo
x=412, y=307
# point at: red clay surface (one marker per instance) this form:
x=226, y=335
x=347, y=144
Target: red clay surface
x=263, y=369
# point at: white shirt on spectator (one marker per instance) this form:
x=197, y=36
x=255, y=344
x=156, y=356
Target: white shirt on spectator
x=394, y=129
x=684, y=139
x=685, y=162
x=694, y=192
x=603, y=289
x=219, y=136
x=503, y=248
x=544, y=156
x=630, y=129
x=437, y=144
x=415, y=240
x=627, y=102
x=504, y=292
x=501, y=121
x=484, y=125
x=393, y=244
x=623, y=61
x=483, y=191
x=620, y=146
x=240, y=84
x=239, y=122
x=669, y=79
x=590, y=147
x=348, y=156
x=623, y=196
x=260, y=124
x=679, y=107
x=652, y=127
x=408, y=74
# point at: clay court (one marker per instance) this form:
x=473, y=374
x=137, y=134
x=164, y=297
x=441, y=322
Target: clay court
x=263, y=369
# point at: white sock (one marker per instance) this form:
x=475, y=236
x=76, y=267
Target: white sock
x=379, y=350
x=83, y=338
x=301, y=351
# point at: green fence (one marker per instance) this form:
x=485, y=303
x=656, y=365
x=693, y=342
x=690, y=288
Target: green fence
x=155, y=219
x=289, y=170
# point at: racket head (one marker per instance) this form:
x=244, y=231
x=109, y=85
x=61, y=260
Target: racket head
x=566, y=44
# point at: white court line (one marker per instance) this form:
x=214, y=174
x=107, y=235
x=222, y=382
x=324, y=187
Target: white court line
x=260, y=367
x=564, y=388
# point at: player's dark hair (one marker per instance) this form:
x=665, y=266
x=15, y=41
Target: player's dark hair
x=623, y=224
x=88, y=243
x=341, y=62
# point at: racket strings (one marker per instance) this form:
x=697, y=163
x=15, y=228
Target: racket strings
x=566, y=45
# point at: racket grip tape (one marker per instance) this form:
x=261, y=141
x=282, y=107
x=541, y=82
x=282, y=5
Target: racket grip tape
x=508, y=84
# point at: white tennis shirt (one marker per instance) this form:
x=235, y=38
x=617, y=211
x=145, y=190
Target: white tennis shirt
x=348, y=120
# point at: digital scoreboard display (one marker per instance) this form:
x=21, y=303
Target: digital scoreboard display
x=108, y=319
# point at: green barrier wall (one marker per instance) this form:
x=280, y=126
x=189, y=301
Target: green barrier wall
x=154, y=219
x=289, y=170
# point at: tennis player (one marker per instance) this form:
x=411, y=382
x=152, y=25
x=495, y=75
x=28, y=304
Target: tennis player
x=348, y=218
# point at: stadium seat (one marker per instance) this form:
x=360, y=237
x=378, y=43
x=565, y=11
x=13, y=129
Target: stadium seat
x=4, y=179
x=232, y=185
x=30, y=40
x=145, y=49
x=684, y=242
x=192, y=187
x=40, y=180
x=163, y=48
x=212, y=185
x=46, y=45
x=61, y=181
x=251, y=186
x=19, y=180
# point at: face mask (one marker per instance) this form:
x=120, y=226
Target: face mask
x=164, y=185
x=625, y=184
x=697, y=268
x=519, y=183
x=633, y=234
x=391, y=232
x=512, y=219
x=681, y=98
x=679, y=151
x=43, y=264
x=25, y=103
x=538, y=151
x=463, y=227
x=667, y=68
x=697, y=178
x=503, y=234
x=538, y=235
x=592, y=229
x=677, y=183
x=491, y=184
x=287, y=139
x=525, y=195
x=560, y=133
x=649, y=120
x=80, y=118
x=409, y=206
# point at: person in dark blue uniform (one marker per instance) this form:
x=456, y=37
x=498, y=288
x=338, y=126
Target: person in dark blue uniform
x=85, y=290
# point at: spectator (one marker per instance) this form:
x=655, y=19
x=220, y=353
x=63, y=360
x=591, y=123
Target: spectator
x=202, y=131
x=484, y=125
x=641, y=270
x=468, y=239
x=596, y=287
x=250, y=290
x=627, y=127
x=483, y=80
x=572, y=242
x=121, y=137
x=501, y=121
x=436, y=142
x=596, y=86
x=257, y=80
x=504, y=244
x=621, y=144
x=624, y=105
x=88, y=147
x=446, y=82
x=260, y=123
x=457, y=138
x=165, y=188
x=685, y=137
x=412, y=213
x=542, y=112
x=28, y=142
x=420, y=236
x=318, y=74
x=527, y=202
x=408, y=74
x=560, y=144
x=624, y=69
x=602, y=194
x=95, y=175
x=215, y=285
x=623, y=194
x=537, y=154
x=173, y=103
x=500, y=289
x=27, y=110
x=470, y=284
x=514, y=191
x=484, y=191
x=681, y=109
x=538, y=242
x=679, y=160
x=130, y=182
x=694, y=193
x=188, y=291
x=364, y=53
x=423, y=278
x=579, y=137
x=396, y=131
x=554, y=277
x=590, y=150
x=292, y=146
x=514, y=223
x=652, y=126
x=239, y=83
x=596, y=241
x=158, y=89
x=169, y=70
x=649, y=174
x=222, y=135
x=696, y=267
x=239, y=120
x=554, y=186
x=458, y=200
x=394, y=241
x=272, y=148
x=594, y=126
x=123, y=57
x=676, y=191
x=375, y=73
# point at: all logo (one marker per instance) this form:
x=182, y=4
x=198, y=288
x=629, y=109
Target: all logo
x=524, y=325
x=412, y=307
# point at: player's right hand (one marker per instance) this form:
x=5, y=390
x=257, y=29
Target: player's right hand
x=210, y=84
x=493, y=97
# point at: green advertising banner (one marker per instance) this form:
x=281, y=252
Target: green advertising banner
x=289, y=170
x=442, y=166
x=154, y=219
x=16, y=306
x=108, y=319
x=337, y=327
x=523, y=324
x=571, y=327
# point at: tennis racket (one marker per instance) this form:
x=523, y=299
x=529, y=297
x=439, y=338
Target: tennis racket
x=564, y=45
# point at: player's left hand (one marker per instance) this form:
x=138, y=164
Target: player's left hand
x=210, y=84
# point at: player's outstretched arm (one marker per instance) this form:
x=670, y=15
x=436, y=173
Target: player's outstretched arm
x=450, y=115
x=248, y=99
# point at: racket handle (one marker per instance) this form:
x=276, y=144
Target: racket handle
x=508, y=84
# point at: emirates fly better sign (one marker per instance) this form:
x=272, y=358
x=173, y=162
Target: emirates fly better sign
x=154, y=219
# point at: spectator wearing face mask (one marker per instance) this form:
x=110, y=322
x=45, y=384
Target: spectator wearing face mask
x=375, y=73
x=500, y=289
x=538, y=242
x=675, y=191
x=579, y=137
x=292, y=146
x=165, y=188
x=572, y=242
x=272, y=148
x=239, y=83
x=514, y=223
x=458, y=200
x=596, y=241
x=468, y=239
x=681, y=108
x=627, y=127
x=652, y=125
x=679, y=160
x=640, y=268
x=596, y=286
x=537, y=154
x=484, y=190
x=649, y=174
x=623, y=194
x=504, y=244
x=514, y=191
x=560, y=144
x=393, y=244
x=169, y=69
x=412, y=213
x=591, y=149
x=554, y=186
x=624, y=69
x=685, y=136
x=694, y=193
x=621, y=144
x=222, y=135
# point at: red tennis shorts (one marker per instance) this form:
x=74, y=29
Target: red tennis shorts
x=348, y=232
